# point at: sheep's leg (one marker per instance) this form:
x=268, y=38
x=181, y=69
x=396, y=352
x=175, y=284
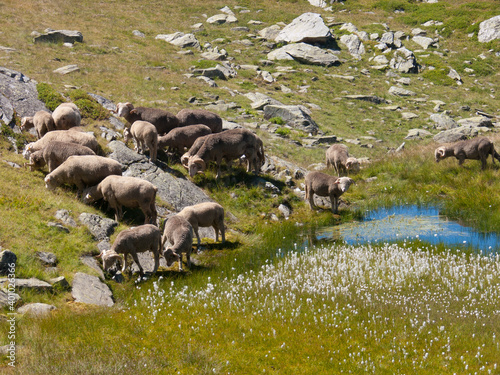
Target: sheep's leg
x=196, y=232
x=310, y=198
x=136, y=260
x=335, y=204
x=125, y=262
x=188, y=260
x=216, y=229
x=157, y=260
x=180, y=262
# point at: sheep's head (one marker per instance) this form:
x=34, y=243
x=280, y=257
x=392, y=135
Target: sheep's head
x=127, y=136
x=352, y=164
x=344, y=183
x=36, y=160
x=28, y=150
x=196, y=165
x=185, y=160
x=440, y=153
x=171, y=256
x=123, y=109
x=26, y=123
x=50, y=182
x=109, y=258
x=89, y=195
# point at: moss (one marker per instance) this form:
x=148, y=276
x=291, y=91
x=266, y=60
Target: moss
x=49, y=96
x=88, y=106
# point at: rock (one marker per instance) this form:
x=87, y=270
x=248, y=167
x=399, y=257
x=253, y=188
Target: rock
x=46, y=258
x=58, y=226
x=456, y=134
x=67, y=69
x=424, y=41
x=147, y=260
x=408, y=115
x=90, y=290
x=92, y=262
x=179, y=192
x=59, y=283
x=388, y=39
x=32, y=283
x=285, y=210
x=404, y=61
x=138, y=33
x=367, y=98
x=305, y=53
x=266, y=76
x=398, y=91
x=59, y=36
x=270, y=33
x=307, y=28
x=349, y=27
x=219, y=19
x=354, y=45
x=100, y=228
x=478, y=121
x=489, y=30
x=7, y=259
x=222, y=71
x=294, y=115
x=17, y=94
x=443, y=121
x=454, y=75
x=8, y=298
x=180, y=40
x=418, y=134
x=36, y=309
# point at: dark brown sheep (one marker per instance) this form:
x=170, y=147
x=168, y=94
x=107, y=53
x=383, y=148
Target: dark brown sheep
x=188, y=116
x=326, y=186
x=163, y=120
x=474, y=149
x=179, y=138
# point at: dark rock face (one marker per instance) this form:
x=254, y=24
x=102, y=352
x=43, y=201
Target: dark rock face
x=7, y=258
x=101, y=228
x=59, y=36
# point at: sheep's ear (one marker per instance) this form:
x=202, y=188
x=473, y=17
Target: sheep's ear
x=133, y=111
x=101, y=254
x=337, y=181
x=441, y=151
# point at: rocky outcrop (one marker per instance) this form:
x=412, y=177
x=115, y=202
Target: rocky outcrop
x=180, y=39
x=307, y=28
x=296, y=116
x=489, y=30
x=59, y=36
x=90, y=290
x=305, y=53
x=100, y=228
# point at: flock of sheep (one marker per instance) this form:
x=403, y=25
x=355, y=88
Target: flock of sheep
x=74, y=157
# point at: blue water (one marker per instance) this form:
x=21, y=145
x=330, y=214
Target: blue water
x=411, y=223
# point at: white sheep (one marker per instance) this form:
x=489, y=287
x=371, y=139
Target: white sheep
x=179, y=234
x=132, y=241
x=205, y=214
x=56, y=153
x=326, y=186
x=145, y=135
x=337, y=155
x=42, y=121
x=66, y=116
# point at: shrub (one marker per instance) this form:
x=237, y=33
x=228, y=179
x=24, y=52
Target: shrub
x=277, y=120
x=285, y=132
x=49, y=96
x=89, y=107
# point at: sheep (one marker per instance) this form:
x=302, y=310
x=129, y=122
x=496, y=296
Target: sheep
x=132, y=241
x=179, y=233
x=163, y=120
x=337, y=155
x=179, y=138
x=205, y=214
x=55, y=153
x=145, y=135
x=42, y=121
x=228, y=145
x=193, y=150
x=200, y=116
x=474, y=149
x=326, y=186
x=84, y=139
x=82, y=171
x=66, y=116
x=125, y=191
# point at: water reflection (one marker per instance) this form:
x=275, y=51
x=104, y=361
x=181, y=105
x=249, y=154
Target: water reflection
x=410, y=223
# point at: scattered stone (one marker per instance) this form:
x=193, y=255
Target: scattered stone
x=270, y=33
x=58, y=226
x=478, y=121
x=404, y=61
x=32, y=283
x=285, y=210
x=220, y=19
x=367, y=98
x=443, y=121
x=454, y=75
x=7, y=259
x=8, y=298
x=408, y=115
x=418, y=134
x=398, y=91
x=424, y=41
x=59, y=36
x=180, y=39
x=307, y=28
x=138, y=33
x=90, y=290
x=36, y=309
x=296, y=116
x=46, y=258
x=354, y=45
x=59, y=283
x=100, y=228
x=67, y=69
x=305, y=53
x=489, y=30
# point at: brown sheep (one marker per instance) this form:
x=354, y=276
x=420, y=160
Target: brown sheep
x=179, y=138
x=66, y=116
x=145, y=135
x=55, y=153
x=193, y=150
x=125, y=191
x=337, y=155
x=42, y=121
x=200, y=116
x=163, y=120
x=229, y=145
x=205, y=214
x=474, y=149
x=179, y=234
x=82, y=171
x=326, y=186
x=132, y=241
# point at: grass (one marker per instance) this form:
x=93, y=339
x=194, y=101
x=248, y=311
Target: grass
x=261, y=302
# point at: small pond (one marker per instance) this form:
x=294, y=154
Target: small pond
x=411, y=223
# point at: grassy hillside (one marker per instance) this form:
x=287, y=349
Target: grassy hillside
x=171, y=324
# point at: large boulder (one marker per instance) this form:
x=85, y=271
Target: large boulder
x=36, y=309
x=443, y=121
x=304, y=53
x=489, y=30
x=354, y=45
x=307, y=28
x=90, y=290
x=59, y=36
x=296, y=116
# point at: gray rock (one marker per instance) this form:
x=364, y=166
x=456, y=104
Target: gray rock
x=147, y=260
x=285, y=210
x=456, y=134
x=220, y=19
x=270, y=33
x=478, y=121
x=305, y=53
x=489, y=30
x=90, y=290
x=36, y=309
x=367, y=98
x=65, y=217
x=294, y=115
x=100, y=228
x=92, y=262
x=138, y=33
x=59, y=283
x=59, y=36
x=8, y=298
x=418, y=134
x=354, y=45
x=222, y=71
x=19, y=94
x=387, y=38
x=180, y=40
x=443, y=121
x=58, y=226
x=307, y=28
x=106, y=103
x=46, y=258
x=67, y=69
x=424, y=41
x=7, y=258
x=408, y=115
x=404, y=61
x=398, y=91
x=32, y=283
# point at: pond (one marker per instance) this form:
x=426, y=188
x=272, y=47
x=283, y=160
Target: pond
x=411, y=223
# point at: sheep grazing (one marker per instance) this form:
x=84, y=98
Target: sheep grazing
x=66, y=116
x=82, y=171
x=474, y=149
x=125, y=191
x=132, y=241
x=81, y=138
x=229, y=145
x=200, y=116
x=42, y=121
x=193, y=150
x=179, y=234
x=326, y=186
x=163, y=120
x=337, y=155
x=206, y=214
x=55, y=153
x=179, y=138
x=145, y=135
